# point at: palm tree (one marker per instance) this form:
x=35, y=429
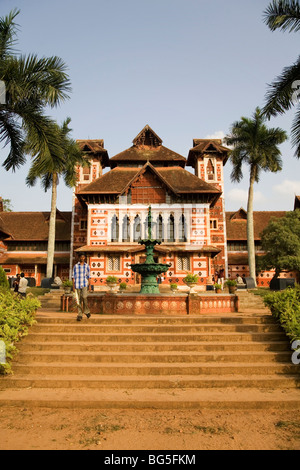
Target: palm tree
x=31, y=84
x=284, y=92
x=49, y=167
x=257, y=146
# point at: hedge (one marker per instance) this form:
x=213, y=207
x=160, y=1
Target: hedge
x=285, y=307
x=16, y=316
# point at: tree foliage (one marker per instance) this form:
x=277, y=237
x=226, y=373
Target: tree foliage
x=281, y=242
x=284, y=92
x=31, y=85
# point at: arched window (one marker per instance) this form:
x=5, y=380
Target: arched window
x=137, y=229
x=171, y=226
x=159, y=228
x=210, y=170
x=182, y=229
x=126, y=229
x=114, y=229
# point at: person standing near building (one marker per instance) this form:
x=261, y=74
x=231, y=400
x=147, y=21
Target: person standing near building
x=22, y=285
x=81, y=285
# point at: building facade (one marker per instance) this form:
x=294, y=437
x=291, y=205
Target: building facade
x=110, y=209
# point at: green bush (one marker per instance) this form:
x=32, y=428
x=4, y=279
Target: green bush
x=16, y=315
x=285, y=307
x=4, y=284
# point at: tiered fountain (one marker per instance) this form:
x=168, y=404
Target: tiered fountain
x=149, y=270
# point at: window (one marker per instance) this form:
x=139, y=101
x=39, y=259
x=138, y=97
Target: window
x=213, y=224
x=159, y=228
x=171, y=237
x=83, y=225
x=115, y=229
x=126, y=229
x=183, y=263
x=86, y=173
x=137, y=229
x=182, y=229
x=113, y=263
x=210, y=170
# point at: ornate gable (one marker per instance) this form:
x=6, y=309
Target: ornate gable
x=147, y=137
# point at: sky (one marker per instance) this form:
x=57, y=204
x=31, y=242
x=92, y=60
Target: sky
x=188, y=68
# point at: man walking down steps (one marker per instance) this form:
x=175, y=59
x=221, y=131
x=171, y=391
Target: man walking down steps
x=81, y=286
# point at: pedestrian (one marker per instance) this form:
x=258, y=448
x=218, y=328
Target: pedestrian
x=22, y=286
x=81, y=286
x=16, y=283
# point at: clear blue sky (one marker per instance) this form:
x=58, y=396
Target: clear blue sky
x=188, y=68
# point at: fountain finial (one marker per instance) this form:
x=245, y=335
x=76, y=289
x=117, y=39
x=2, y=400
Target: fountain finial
x=149, y=223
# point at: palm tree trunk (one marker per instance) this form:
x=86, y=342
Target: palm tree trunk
x=52, y=223
x=250, y=228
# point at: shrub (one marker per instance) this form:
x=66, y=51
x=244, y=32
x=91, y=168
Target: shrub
x=4, y=284
x=123, y=285
x=191, y=278
x=173, y=286
x=217, y=286
x=230, y=282
x=16, y=315
x=111, y=279
x=67, y=283
x=285, y=307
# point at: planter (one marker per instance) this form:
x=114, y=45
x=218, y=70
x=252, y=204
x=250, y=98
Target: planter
x=112, y=286
x=218, y=291
x=174, y=289
x=67, y=290
x=232, y=289
x=191, y=285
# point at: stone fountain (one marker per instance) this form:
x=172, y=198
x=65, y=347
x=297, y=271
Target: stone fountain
x=150, y=269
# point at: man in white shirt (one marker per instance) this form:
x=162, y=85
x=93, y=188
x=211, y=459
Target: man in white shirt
x=23, y=286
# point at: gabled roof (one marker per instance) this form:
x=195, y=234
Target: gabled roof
x=30, y=226
x=147, y=147
x=236, y=223
x=207, y=146
x=177, y=179
x=94, y=148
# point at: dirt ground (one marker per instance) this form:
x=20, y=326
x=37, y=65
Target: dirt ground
x=86, y=429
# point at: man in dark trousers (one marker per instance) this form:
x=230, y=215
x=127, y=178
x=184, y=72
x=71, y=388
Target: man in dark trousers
x=81, y=286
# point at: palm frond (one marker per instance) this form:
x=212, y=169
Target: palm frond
x=280, y=96
x=283, y=14
x=8, y=31
x=295, y=133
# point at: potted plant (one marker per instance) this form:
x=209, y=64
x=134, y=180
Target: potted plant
x=231, y=284
x=218, y=288
x=67, y=285
x=173, y=287
x=112, y=282
x=123, y=286
x=191, y=280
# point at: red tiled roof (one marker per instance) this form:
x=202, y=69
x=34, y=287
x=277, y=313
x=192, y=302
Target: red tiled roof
x=32, y=258
x=177, y=179
x=201, y=146
x=35, y=225
x=145, y=153
x=236, y=223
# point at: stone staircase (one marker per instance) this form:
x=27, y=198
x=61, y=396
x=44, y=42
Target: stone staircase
x=212, y=361
x=248, y=300
x=51, y=300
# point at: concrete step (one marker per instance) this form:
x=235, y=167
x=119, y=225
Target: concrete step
x=79, y=346
x=151, y=357
x=158, y=368
x=215, y=399
x=271, y=382
x=151, y=361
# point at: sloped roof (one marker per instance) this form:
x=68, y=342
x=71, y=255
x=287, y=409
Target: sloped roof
x=35, y=225
x=95, y=147
x=201, y=146
x=147, y=147
x=176, y=179
x=236, y=223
